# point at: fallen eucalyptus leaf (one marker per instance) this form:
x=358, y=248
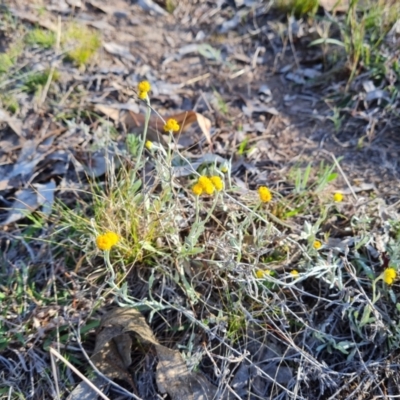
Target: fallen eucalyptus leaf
x=150, y=6
x=84, y=392
x=112, y=357
x=134, y=121
x=118, y=50
x=14, y=123
x=30, y=199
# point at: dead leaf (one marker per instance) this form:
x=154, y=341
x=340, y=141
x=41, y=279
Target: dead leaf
x=13, y=123
x=114, y=327
x=118, y=50
x=204, y=123
x=101, y=25
x=109, y=111
x=43, y=20
x=84, y=392
x=133, y=120
x=118, y=8
x=30, y=199
x=112, y=357
x=174, y=378
x=335, y=5
x=108, y=359
x=29, y=157
x=97, y=163
x=75, y=3
x=150, y=6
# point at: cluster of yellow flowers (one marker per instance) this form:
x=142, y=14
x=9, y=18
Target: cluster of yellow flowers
x=208, y=185
x=265, y=194
x=106, y=241
x=144, y=87
x=171, y=125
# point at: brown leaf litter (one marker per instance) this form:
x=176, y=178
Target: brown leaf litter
x=112, y=356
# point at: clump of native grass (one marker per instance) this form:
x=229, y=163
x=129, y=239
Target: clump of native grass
x=366, y=38
x=359, y=40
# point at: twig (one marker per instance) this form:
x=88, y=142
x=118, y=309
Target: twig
x=50, y=77
x=55, y=374
x=194, y=80
x=343, y=174
x=83, y=377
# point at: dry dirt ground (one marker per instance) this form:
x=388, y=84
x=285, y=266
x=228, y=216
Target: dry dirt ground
x=249, y=70
x=246, y=69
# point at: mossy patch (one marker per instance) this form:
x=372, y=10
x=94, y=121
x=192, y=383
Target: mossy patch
x=8, y=59
x=41, y=37
x=82, y=42
x=298, y=7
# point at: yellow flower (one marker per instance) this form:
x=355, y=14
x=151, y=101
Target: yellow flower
x=106, y=241
x=204, y=180
x=294, y=273
x=265, y=194
x=317, y=244
x=197, y=189
x=389, y=275
x=217, y=182
x=262, y=273
x=338, y=197
x=142, y=95
x=207, y=185
x=209, y=189
x=148, y=144
x=144, y=87
x=171, y=125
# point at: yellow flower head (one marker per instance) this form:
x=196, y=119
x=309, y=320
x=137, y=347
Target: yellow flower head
x=142, y=95
x=148, y=144
x=317, y=244
x=262, y=273
x=389, y=275
x=106, y=241
x=144, y=87
x=206, y=183
x=197, y=189
x=338, y=197
x=265, y=194
x=294, y=273
x=209, y=189
x=217, y=182
x=204, y=180
x=171, y=125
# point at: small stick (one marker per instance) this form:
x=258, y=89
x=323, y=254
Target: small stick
x=50, y=77
x=83, y=377
x=343, y=174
